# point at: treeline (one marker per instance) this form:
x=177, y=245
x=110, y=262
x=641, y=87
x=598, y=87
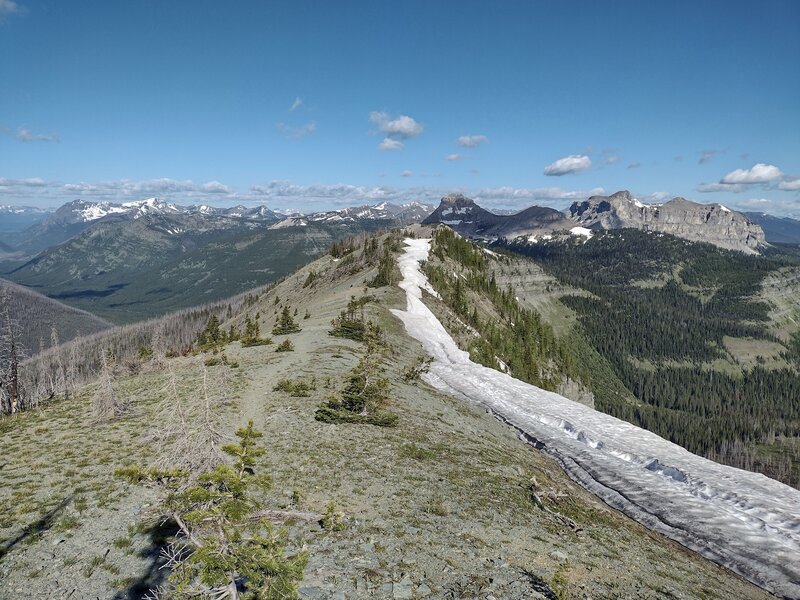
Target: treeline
x=660, y=337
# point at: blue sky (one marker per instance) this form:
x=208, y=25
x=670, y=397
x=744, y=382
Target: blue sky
x=314, y=105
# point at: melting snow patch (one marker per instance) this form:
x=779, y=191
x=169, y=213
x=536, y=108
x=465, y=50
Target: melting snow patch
x=582, y=231
x=724, y=208
x=742, y=520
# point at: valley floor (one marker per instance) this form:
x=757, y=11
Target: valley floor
x=438, y=507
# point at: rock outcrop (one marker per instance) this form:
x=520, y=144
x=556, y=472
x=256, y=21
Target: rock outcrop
x=712, y=223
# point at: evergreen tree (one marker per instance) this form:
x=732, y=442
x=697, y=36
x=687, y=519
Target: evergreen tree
x=286, y=323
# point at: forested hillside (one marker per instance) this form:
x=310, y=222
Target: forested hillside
x=129, y=272
x=683, y=329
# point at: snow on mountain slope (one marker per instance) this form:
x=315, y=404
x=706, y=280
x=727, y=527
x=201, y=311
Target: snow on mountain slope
x=742, y=520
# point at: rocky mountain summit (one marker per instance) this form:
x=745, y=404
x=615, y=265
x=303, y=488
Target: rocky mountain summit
x=712, y=223
x=467, y=218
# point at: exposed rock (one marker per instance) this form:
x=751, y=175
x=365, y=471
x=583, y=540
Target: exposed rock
x=712, y=223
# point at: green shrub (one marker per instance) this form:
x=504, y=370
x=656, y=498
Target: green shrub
x=296, y=388
x=225, y=541
x=285, y=346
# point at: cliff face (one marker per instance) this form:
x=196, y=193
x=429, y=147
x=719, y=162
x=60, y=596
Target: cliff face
x=467, y=218
x=712, y=223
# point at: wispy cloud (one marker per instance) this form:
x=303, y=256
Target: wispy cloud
x=389, y=144
x=783, y=207
x=706, y=156
x=472, y=141
x=25, y=135
x=721, y=187
x=147, y=187
x=454, y=156
x=759, y=173
x=296, y=133
x=511, y=197
x=611, y=159
x=298, y=102
x=634, y=165
x=574, y=163
x=8, y=8
x=29, y=182
x=406, y=173
x=790, y=184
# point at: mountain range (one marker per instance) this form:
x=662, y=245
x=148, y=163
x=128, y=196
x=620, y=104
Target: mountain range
x=713, y=223
x=136, y=260
x=778, y=230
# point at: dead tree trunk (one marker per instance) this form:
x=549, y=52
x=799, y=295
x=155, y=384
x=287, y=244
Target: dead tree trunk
x=9, y=345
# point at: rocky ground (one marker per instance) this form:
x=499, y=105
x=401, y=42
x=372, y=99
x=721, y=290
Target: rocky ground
x=438, y=507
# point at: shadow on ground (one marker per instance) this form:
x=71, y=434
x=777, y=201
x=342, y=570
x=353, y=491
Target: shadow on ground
x=155, y=575
x=34, y=529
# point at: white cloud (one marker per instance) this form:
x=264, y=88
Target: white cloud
x=8, y=8
x=296, y=133
x=721, y=187
x=759, y=173
x=298, y=102
x=574, y=163
x=781, y=208
x=454, y=156
x=390, y=144
x=29, y=182
x=403, y=127
x=790, y=184
x=126, y=188
x=612, y=159
x=406, y=173
x=634, y=165
x=510, y=197
x=472, y=141
x=24, y=135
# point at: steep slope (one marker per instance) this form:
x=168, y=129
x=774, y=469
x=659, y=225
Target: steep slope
x=712, y=223
x=466, y=217
x=36, y=315
x=448, y=504
x=777, y=230
x=212, y=272
x=701, y=337
x=742, y=520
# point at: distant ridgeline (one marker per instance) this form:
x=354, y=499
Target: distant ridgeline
x=684, y=329
x=137, y=260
